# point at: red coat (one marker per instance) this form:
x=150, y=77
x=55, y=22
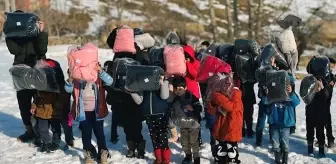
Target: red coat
x=228, y=126
x=192, y=69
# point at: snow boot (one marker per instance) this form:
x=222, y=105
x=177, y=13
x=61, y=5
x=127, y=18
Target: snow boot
x=165, y=153
x=310, y=148
x=331, y=144
x=197, y=160
x=88, y=157
x=277, y=157
x=158, y=156
x=321, y=152
x=141, y=149
x=187, y=159
x=131, y=149
x=174, y=135
x=103, y=156
x=28, y=135
x=284, y=157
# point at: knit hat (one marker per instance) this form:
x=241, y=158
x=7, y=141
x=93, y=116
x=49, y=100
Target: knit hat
x=137, y=31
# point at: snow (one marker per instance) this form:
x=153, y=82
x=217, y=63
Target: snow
x=14, y=152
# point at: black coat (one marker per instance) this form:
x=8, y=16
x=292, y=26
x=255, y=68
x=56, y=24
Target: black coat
x=28, y=50
x=317, y=109
x=248, y=97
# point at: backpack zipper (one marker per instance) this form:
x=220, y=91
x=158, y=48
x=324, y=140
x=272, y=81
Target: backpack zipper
x=150, y=103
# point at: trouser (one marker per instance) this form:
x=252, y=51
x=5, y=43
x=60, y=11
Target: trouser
x=328, y=125
x=115, y=122
x=133, y=130
x=248, y=118
x=262, y=116
x=226, y=152
x=67, y=130
x=313, y=122
x=280, y=139
x=43, y=129
x=157, y=125
x=24, y=98
x=90, y=123
x=189, y=141
x=212, y=143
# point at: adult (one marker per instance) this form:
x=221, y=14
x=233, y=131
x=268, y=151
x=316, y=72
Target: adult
x=27, y=51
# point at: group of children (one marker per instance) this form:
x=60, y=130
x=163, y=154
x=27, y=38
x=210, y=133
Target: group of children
x=230, y=112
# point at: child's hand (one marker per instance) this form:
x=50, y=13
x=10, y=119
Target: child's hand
x=32, y=111
x=98, y=68
x=161, y=80
x=266, y=91
x=289, y=89
x=189, y=107
x=332, y=83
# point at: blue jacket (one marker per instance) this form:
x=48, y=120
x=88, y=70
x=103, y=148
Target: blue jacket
x=69, y=87
x=282, y=114
x=153, y=104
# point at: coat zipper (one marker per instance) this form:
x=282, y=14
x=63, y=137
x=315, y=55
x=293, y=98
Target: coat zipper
x=150, y=103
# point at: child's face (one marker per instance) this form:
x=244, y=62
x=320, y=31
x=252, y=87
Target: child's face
x=179, y=91
x=332, y=66
x=273, y=61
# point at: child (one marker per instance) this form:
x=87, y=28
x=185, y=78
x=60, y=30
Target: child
x=281, y=118
x=47, y=107
x=90, y=111
x=330, y=87
x=193, y=108
x=154, y=106
x=228, y=108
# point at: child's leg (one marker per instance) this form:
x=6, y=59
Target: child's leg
x=114, y=125
x=56, y=129
x=98, y=130
x=260, y=123
x=86, y=129
x=232, y=151
x=310, y=127
x=194, y=144
x=163, y=139
x=185, y=141
x=43, y=127
x=276, y=143
x=284, y=139
x=320, y=137
x=153, y=131
x=67, y=131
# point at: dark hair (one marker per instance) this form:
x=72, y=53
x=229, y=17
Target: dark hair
x=332, y=61
x=18, y=11
x=205, y=43
x=179, y=82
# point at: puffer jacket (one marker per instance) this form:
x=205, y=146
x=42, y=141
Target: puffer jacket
x=28, y=50
x=48, y=105
x=229, y=121
x=192, y=69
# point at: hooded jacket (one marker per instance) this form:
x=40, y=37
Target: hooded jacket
x=192, y=69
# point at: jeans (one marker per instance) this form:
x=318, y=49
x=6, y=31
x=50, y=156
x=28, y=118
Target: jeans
x=280, y=139
x=262, y=116
x=90, y=123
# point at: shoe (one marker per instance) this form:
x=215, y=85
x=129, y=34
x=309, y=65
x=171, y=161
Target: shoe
x=277, y=157
x=54, y=147
x=141, y=149
x=28, y=135
x=165, y=153
x=158, y=156
x=70, y=143
x=321, y=152
x=292, y=130
x=131, y=149
x=187, y=159
x=331, y=144
x=114, y=138
x=104, y=155
x=284, y=157
x=45, y=148
x=88, y=158
x=37, y=142
x=197, y=160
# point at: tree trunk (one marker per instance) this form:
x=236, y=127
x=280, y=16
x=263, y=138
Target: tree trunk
x=7, y=5
x=213, y=20
x=250, y=22
x=12, y=6
x=258, y=17
x=120, y=10
x=235, y=18
x=229, y=20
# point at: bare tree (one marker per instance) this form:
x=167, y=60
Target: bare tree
x=12, y=5
x=7, y=5
x=250, y=22
x=213, y=20
x=235, y=18
x=258, y=19
x=229, y=20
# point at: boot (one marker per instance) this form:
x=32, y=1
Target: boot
x=174, y=135
x=165, y=156
x=45, y=148
x=331, y=144
x=197, y=160
x=310, y=148
x=88, y=158
x=104, y=155
x=187, y=159
x=70, y=143
x=277, y=157
x=141, y=149
x=28, y=135
x=158, y=156
x=131, y=149
x=321, y=151
x=284, y=157
x=54, y=147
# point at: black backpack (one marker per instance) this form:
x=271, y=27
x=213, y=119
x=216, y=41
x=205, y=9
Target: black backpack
x=21, y=25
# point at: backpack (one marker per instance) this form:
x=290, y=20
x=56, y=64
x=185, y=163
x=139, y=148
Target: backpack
x=155, y=55
x=20, y=24
x=124, y=40
x=243, y=46
x=143, y=78
x=174, y=60
x=144, y=41
x=82, y=62
x=210, y=66
x=245, y=67
x=119, y=71
x=319, y=66
x=308, y=88
x=276, y=83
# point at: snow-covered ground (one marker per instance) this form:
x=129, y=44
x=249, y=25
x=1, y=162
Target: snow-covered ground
x=14, y=152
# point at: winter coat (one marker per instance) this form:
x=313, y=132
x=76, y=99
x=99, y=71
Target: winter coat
x=153, y=103
x=189, y=98
x=28, y=50
x=229, y=121
x=47, y=105
x=248, y=97
x=282, y=115
x=78, y=105
x=192, y=69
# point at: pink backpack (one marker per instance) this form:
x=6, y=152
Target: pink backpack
x=174, y=60
x=124, y=41
x=82, y=62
